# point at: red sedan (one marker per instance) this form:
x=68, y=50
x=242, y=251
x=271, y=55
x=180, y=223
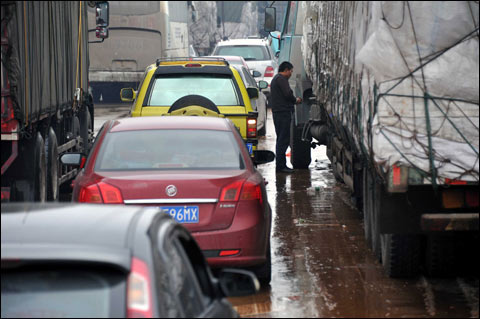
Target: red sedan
x=198, y=170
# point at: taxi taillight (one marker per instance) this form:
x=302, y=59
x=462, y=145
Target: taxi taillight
x=251, y=127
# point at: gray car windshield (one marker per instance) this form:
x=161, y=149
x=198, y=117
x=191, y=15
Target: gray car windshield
x=247, y=52
x=169, y=150
x=219, y=89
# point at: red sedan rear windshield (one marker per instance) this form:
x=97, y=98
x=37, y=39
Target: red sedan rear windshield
x=169, y=150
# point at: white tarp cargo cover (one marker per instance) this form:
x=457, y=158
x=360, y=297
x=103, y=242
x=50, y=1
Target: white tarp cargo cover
x=409, y=51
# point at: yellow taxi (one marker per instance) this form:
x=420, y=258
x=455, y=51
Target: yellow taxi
x=196, y=87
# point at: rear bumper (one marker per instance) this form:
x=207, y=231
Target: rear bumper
x=248, y=233
x=450, y=222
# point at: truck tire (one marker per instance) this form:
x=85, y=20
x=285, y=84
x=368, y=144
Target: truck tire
x=400, y=254
x=300, y=154
x=377, y=197
x=86, y=131
x=440, y=255
x=263, y=130
x=367, y=205
x=51, y=152
x=33, y=188
x=76, y=131
x=65, y=187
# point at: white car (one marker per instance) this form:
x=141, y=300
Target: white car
x=256, y=52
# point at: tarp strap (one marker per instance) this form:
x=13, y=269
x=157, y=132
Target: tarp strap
x=78, y=47
x=433, y=170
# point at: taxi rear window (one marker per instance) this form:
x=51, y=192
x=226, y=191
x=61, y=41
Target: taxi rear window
x=167, y=89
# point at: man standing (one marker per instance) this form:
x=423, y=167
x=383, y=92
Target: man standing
x=282, y=101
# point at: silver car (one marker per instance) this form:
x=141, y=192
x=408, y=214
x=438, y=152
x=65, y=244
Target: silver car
x=258, y=104
x=257, y=53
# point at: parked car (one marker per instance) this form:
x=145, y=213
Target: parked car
x=259, y=103
x=257, y=53
x=232, y=59
x=198, y=169
x=73, y=260
x=199, y=87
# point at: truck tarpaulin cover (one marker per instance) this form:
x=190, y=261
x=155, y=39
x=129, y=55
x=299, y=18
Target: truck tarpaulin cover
x=414, y=66
x=45, y=61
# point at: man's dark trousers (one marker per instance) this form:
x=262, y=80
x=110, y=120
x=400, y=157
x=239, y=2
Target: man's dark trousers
x=281, y=120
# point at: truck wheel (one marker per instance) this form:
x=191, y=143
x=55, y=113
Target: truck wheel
x=86, y=131
x=76, y=132
x=263, y=130
x=377, y=197
x=65, y=187
x=400, y=254
x=367, y=205
x=33, y=189
x=51, y=150
x=300, y=154
x=440, y=254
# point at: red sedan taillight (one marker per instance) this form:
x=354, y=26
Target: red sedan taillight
x=101, y=193
x=139, y=298
x=235, y=192
x=251, y=127
x=268, y=72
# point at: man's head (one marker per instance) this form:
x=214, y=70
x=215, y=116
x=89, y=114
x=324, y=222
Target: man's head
x=286, y=69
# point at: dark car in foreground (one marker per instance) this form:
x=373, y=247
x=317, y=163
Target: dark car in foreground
x=74, y=260
x=197, y=168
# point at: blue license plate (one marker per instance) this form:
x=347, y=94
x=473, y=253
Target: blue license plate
x=183, y=214
x=250, y=148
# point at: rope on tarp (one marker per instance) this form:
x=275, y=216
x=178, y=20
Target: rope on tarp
x=332, y=69
x=78, y=50
x=426, y=97
x=26, y=60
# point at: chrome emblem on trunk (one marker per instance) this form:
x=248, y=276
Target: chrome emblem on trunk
x=171, y=190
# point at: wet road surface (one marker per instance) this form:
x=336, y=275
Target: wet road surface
x=321, y=265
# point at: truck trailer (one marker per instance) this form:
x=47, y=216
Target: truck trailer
x=391, y=89
x=47, y=109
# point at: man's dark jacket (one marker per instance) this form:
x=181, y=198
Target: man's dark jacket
x=281, y=95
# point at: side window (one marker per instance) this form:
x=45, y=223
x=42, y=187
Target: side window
x=200, y=266
x=183, y=281
x=291, y=18
x=250, y=81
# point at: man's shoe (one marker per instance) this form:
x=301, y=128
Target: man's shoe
x=285, y=170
